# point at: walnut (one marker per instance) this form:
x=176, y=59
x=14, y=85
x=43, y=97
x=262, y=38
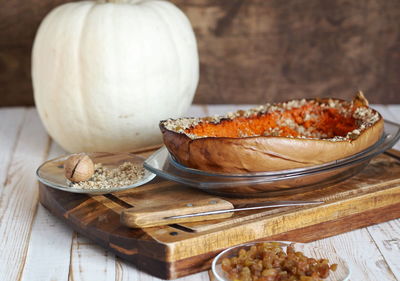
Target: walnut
x=78, y=167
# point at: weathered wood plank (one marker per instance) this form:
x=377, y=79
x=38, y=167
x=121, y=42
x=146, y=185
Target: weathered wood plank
x=50, y=243
x=394, y=109
x=10, y=126
x=225, y=108
x=252, y=50
x=127, y=272
x=19, y=196
x=90, y=262
x=387, y=235
x=197, y=110
x=358, y=249
x=256, y=50
x=201, y=276
x=384, y=111
x=389, y=113
x=387, y=239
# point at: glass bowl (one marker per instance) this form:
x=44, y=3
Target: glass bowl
x=271, y=183
x=342, y=272
x=295, y=171
x=51, y=173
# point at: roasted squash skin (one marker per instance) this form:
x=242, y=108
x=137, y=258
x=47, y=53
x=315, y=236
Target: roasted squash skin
x=279, y=148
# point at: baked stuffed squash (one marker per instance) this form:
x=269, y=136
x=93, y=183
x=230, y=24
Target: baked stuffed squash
x=272, y=137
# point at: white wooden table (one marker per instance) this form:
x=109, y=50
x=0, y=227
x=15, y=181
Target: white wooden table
x=34, y=245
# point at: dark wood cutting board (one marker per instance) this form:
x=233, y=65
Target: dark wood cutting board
x=172, y=251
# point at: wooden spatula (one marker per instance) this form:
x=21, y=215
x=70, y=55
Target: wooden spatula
x=147, y=216
x=201, y=210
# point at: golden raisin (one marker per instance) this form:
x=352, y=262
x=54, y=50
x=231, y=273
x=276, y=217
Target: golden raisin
x=269, y=262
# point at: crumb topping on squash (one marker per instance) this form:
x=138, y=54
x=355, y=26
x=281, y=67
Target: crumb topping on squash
x=329, y=119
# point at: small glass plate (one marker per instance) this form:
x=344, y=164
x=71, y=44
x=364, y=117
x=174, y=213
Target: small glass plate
x=271, y=183
x=342, y=272
x=51, y=173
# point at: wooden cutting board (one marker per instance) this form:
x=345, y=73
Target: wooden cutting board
x=172, y=251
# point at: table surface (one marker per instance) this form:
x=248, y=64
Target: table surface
x=34, y=245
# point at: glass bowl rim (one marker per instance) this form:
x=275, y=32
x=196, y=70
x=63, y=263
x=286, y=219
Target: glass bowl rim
x=286, y=243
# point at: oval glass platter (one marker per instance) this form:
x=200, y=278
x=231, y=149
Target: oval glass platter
x=342, y=273
x=271, y=183
x=51, y=173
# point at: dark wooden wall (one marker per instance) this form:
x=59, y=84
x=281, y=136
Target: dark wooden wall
x=253, y=51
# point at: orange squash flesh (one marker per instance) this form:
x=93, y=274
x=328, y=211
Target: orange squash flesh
x=328, y=122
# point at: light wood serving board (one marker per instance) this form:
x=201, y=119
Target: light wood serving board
x=172, y=251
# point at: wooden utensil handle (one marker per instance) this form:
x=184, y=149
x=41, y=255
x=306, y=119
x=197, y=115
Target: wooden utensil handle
x=155, y=215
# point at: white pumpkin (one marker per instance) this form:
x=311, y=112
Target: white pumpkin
x=104, y=74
